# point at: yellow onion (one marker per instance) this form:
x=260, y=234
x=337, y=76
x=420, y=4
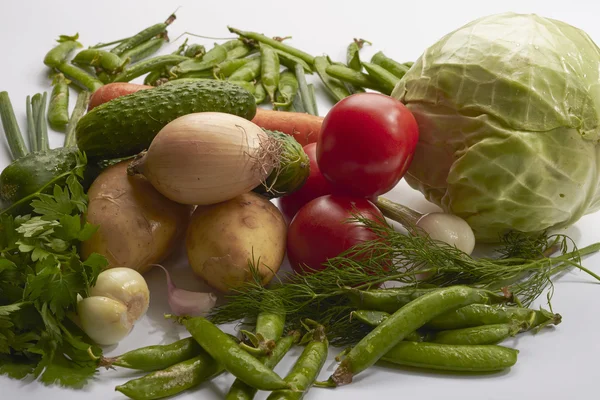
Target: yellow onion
x=207, y=158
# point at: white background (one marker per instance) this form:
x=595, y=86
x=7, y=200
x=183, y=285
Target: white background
x=555, y=364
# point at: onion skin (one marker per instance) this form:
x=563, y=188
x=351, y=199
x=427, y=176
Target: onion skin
x=206, y=158
x=223, y=238
x=137, y=225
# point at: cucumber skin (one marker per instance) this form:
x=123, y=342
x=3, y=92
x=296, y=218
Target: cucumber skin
x=32, y=172
x=127, y=125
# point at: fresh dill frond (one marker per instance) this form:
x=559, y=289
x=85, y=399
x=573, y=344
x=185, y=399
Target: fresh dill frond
x=523, y=268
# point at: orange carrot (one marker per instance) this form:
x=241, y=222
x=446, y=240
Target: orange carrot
x=112, y=91
x=303, y=127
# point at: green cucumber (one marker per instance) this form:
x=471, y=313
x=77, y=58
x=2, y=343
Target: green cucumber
x=127, y=125
x=34, y=173
x=293, y=169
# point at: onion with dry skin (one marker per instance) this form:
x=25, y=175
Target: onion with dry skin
x=206, y=158
x=137, y=225
x=223, y=238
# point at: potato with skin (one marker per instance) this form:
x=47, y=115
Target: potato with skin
x=222, y=238
x=138, y=226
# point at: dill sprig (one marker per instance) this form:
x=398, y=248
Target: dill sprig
x=522, y=267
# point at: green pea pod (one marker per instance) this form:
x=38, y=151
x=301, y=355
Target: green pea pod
x=80, y=77
x=241, y=391
x=370, y=317
x=142, y=36
x=238, y=52
x=213, y=57
x=353, y=61
x=335, y=87
x=232, y=44
x=173, y=380
x=407, y=319
x=390, y=65
x=306, y=369
x=153, y=358
x=353, y=77
x=483, y=314
x=60, y=53
x=260, y=94
x=374, y=318
x=249, y=86
x=289, y=61
x=310, y=60
x=226, y=68
x=269, y=70
x=313, y=98
x=143, y=67
x=352, y=54
x=195, y=51
x=154, y=76
x=58, y=110
x=485, y=334
x=226, y=351
x=409, y=64
x=288, y=89
x=386, y=80
x=305, y=94
x=269, y=327
x=99, y=58
x=388, y=300
x=248, y=72
x=145, y=49
x=447, y=357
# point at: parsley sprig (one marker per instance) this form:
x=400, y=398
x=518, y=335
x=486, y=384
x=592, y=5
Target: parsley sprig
x=41, y=278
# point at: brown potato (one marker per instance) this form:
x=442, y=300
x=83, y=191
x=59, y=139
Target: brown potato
x=138, y=226
x=223, y=238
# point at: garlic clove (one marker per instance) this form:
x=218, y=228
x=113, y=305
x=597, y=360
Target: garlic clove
x=185, y=302
x=126, y=286
x=104, y=320
x=193, y=304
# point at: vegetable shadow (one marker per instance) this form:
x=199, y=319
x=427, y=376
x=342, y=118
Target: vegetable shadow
x=183, y=277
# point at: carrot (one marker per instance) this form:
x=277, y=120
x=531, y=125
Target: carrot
x=303, y=127
x=112, y=91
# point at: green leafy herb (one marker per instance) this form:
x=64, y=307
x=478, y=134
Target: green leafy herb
x=41, y=277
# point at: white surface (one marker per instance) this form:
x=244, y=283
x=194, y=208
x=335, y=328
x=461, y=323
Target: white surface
x=555, y=364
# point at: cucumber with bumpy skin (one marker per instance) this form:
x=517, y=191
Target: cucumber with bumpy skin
x=127, y=125
x=293, y=170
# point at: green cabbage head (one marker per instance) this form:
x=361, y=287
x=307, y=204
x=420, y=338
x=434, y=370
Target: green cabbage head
x=508, y=108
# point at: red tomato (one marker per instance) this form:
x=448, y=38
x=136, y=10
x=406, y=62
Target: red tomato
x=320, y=230
x=366, y=144
x=315, y=186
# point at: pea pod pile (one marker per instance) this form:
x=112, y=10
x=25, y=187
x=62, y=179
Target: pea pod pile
x=417, y=334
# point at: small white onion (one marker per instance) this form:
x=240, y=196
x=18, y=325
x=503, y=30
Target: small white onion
x=206, y=158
